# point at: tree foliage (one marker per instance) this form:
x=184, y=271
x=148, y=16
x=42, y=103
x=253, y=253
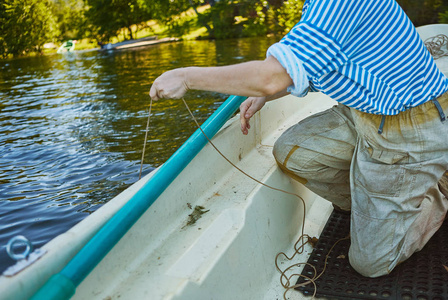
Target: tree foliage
x=169, y=12
x=424, y=12
x=230, y=18
x=71, y=19
x=443, y=17
x=25, y=25
x=108, y=17
x=286, y=15
x=254, y=18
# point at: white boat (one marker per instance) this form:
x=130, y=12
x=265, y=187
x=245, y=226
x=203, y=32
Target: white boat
x=213, y=233
x=143, y=42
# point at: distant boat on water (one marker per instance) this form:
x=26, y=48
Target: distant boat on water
x=68, y=46
x=146, y=41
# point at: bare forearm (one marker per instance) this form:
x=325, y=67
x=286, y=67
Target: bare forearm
x=255, y=78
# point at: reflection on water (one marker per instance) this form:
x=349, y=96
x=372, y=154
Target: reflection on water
x=72, y=128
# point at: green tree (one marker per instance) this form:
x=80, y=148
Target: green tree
x=25, y=25
x=201, y=18
x=108, y=17
x=285, y=16
x=443, y=17
x=224, y=19
x=424, y=12
x=168, y=13
x=254, y=17
x=71, y=19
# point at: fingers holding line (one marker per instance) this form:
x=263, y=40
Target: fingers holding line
x=245, y=115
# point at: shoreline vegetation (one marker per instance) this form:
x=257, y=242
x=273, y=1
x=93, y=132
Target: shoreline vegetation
x=36, y=27
x=156, y=31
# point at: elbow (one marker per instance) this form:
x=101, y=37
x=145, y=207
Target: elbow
x=271, y=85
x=275, y=80
x=268, y=77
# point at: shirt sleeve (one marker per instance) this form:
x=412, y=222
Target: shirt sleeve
x=293, y=66
x=319, y=38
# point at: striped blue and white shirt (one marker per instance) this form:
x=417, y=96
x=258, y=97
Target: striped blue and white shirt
x=365, y=54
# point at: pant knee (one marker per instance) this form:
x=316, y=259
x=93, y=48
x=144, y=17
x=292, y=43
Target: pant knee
x=289, y=154
x=369, y=265
x=281, y=149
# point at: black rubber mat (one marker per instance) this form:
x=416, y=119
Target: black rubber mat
x=421, y=277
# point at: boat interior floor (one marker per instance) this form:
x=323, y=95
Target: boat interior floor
x=423, y=276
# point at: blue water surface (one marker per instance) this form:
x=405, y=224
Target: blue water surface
x=72, y=128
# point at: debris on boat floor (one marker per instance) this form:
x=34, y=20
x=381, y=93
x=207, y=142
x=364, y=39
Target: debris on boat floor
x=195, y=215
x=313, y=241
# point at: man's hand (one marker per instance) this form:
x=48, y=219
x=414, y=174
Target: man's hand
x=170, y=85
x=247, y=109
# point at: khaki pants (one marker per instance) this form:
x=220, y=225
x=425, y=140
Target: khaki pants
x=389, y=181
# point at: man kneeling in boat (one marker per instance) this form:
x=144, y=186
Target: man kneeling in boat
x=382, y=150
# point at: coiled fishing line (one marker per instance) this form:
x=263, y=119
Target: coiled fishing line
x=285, y=281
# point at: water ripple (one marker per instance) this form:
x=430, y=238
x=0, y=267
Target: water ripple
x=72, y=129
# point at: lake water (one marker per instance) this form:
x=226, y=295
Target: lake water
x=72, y=128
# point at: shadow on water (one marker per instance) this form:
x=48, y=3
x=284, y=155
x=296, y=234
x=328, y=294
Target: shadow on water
x=72, y=128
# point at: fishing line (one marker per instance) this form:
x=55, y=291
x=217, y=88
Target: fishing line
x=297, y=250
x=313, y=279
x=236, y=167
x=146, y=138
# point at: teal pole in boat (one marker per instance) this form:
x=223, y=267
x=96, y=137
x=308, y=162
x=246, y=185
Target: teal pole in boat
x=63, y=284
